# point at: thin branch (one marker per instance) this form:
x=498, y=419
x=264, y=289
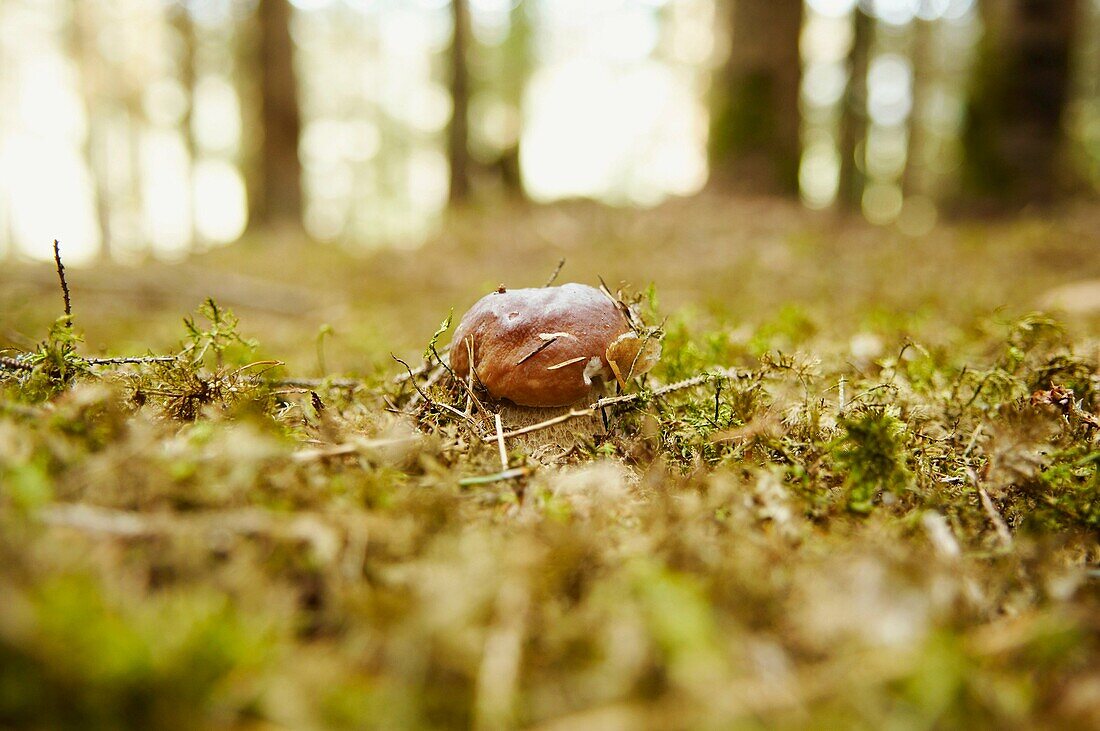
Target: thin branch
x=557, y=271
x=973, y=440
x=500, y=443
x=505, y=475
x=131, y=359
x=349, y=383
x=433, y=378
x=340, y=450
x=14, y=364
x=411, y=377
x=465, y=417
x=421, y=370
x=542, y=346
x=16, y=409
x=999, y=525
x=64, y=284
x=470, y=375
x=625, y=399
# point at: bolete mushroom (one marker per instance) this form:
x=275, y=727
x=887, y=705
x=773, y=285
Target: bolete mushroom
x=552, y=346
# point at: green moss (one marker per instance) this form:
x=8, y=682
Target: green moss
x=873, y=457
x=194, y=543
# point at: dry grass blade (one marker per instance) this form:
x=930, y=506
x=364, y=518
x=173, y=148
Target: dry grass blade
x=565, y=363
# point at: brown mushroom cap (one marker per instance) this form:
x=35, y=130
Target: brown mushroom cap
x=539, y=347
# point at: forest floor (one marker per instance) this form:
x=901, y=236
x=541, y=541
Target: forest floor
x=878, y=508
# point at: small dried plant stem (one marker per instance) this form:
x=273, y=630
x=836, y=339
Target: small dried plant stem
x=445, y=407
x=625, y=399
x=131, y=359
x=341, y=450
x=973, y=440
x=64, y=284
x=422, y=369
x=999, y=525
x=433, y=378
x=419, y=391
x=347, y=383
x=470, y=377
x=15, y=364
x=557, y=271
x=500, y=443
x=995, y=517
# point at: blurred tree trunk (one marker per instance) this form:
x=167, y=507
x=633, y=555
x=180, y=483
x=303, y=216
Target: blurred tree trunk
x=754, y=141
x=917, y=176
x=1014, y=142
x=458, y=133
x=82, y=38
x=278, y=197
x=517, y=62
x=853, y=120
x=184, y=25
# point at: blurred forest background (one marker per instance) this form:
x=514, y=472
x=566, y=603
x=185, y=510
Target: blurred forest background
x=157, y=128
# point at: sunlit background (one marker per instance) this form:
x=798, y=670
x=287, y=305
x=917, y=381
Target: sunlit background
x=126, y=126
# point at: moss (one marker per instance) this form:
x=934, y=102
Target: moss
x=873, y=457
x=797, y=542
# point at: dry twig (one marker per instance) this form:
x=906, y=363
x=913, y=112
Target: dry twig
x=131, y=359
x=15, y=364
x=64, y=284
x=500, y=443
x=615, y=400
x=999, y=525
x=557, y=271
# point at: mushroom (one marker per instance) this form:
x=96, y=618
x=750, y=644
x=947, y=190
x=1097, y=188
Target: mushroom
x=551, y=346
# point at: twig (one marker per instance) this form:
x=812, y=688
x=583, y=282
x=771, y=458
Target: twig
x=470, y=375
x=973, y=440
x=313, y=529
x=339, y=450
x=619, y=305
x=575, y=413
x=14, y=364
x=421, y=370
x=64, y=284
x=546, y=343
x=500, y=443
x=505, y=475
x=411, y=377
x=468, y=387
x=433, y=378
x=131, y=359
x=9, y=407
x=614, y=400
x=465, y=417
x=995, y=518
x=569, y=362
x=557, y=271
x=269, y=363
x=350, y=383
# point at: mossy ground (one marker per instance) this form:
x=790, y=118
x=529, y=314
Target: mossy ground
x=872, y=524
